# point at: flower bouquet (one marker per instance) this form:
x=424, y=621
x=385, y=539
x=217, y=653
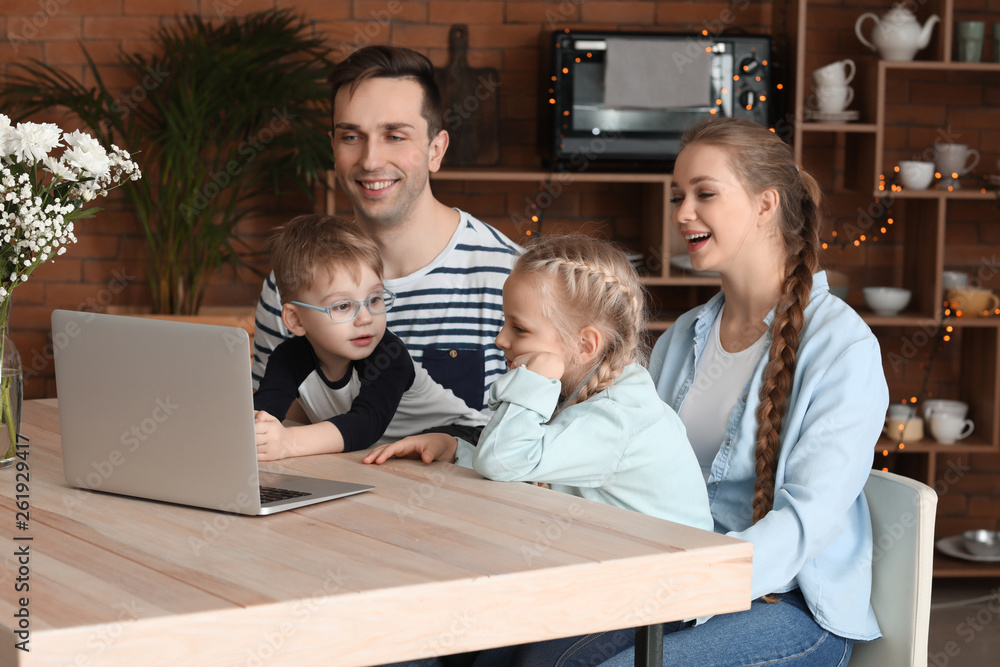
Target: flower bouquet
x=41, y=196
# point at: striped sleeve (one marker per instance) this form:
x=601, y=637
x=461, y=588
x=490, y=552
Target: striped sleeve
x=269, y=330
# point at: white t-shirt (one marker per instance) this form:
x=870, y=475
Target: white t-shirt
x=719, y=379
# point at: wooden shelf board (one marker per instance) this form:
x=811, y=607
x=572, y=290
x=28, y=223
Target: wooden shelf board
x=937, y=65
x=968, y=322
x=932, y=193
x=530, y=175
x=927, y=446
x=903, y=320
x=679, y=280
x=859, y=128
x=945, y=566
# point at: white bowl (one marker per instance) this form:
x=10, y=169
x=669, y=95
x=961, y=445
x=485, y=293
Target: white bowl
x=916, y=174
x=887, y=300
x=982, y=542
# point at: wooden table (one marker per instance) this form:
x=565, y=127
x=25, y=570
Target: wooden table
x=435, y=560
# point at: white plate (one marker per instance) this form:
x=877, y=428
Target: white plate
x=683, y=262
x=953, y=546
x=635, y=258
x=833, y=116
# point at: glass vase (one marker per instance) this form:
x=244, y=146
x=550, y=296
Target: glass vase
x=11, y=395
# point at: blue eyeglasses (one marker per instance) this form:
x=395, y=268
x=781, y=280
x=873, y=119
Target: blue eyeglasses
x=348, y=309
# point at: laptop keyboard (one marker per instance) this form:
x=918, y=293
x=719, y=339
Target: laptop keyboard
x=270, y=494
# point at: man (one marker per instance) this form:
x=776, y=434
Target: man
x=446, y=268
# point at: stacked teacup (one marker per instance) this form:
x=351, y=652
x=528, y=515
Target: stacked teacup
x=833, y=94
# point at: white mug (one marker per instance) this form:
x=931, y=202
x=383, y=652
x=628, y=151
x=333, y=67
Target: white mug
x=901, y=411
x=955, y=159
x=831, y=99
x=839, y=73
x=948, y=429
x=954, y=279
x=933, y=406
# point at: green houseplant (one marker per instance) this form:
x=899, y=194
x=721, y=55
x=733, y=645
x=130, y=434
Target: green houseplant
x=221, y=117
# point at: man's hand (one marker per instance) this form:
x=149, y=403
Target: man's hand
x=427, y=446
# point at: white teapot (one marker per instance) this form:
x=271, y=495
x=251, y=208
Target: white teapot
x=897, y=35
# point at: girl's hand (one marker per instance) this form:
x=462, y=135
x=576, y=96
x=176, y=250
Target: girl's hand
x=428, y=447
x=273, y=441
x=545, y=364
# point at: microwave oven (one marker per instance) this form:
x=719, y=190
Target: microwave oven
x=625, y=98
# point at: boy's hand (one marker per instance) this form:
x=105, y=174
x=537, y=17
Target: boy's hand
x=273, y=441
x=545, y=364
x=427, y=446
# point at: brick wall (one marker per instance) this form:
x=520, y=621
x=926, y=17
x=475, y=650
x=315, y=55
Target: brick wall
x=107, y=265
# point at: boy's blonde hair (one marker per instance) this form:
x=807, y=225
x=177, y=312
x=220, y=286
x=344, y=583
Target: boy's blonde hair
x=307, y=243
x=591, y=283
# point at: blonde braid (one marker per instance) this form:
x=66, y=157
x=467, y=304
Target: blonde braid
x=762, y=161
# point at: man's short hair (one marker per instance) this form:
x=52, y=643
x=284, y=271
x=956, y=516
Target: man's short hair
x=308, y=243
x=391, y=62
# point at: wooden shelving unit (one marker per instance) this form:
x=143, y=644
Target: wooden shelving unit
x=924, y=215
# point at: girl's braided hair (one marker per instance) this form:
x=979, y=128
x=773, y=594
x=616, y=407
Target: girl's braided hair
x=591, y=283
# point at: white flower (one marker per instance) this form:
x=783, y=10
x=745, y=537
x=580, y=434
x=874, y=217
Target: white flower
x=36, y=212
x=8, y=136
x=59, y=169
x=86, y=153
x=35, y=140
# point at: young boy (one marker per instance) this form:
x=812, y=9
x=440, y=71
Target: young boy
x=354, y=379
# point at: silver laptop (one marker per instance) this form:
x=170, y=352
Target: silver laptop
x=163, y=410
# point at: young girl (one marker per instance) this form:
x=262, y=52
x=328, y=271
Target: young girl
x=787, y=433
x=577, y=410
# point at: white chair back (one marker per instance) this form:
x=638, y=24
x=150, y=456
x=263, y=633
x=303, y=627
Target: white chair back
x=902, y=512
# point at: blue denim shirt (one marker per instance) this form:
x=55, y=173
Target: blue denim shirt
x=818, y=536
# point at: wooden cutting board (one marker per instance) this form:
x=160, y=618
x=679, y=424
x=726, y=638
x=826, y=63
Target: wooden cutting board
x=471, y=102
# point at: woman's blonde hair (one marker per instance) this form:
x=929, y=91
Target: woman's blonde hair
x=590, y=283
x=762, y=161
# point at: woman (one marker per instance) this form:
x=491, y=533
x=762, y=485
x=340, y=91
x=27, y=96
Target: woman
x=781, y=389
